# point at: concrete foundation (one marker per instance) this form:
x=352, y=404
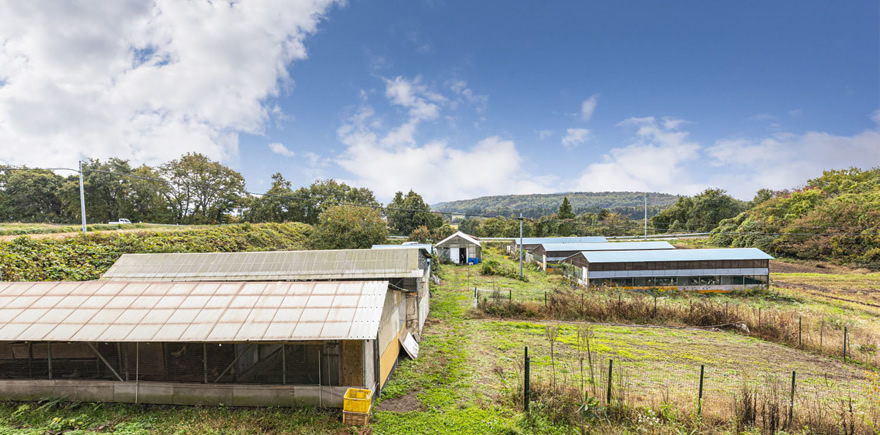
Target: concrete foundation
x=175, y=393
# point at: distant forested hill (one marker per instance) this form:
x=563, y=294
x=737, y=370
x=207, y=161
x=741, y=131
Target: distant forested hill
x=537, y=205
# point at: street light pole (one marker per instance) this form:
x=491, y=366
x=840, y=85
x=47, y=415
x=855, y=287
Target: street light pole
x=646, y=215
x=82, y=197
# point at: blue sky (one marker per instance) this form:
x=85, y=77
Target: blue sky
x=462, y=99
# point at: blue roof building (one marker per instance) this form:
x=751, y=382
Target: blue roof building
x=683, y=269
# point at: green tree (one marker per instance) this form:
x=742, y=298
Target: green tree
x=406, y=213
x=711, y=207
x=323, y=194
x=701, y=213
x=31, y=195
x=421, y=234
x=761, y=196
x=147, y=193
x=565, y=211
x=278, y=204
x=349, y=227
x=200, y=189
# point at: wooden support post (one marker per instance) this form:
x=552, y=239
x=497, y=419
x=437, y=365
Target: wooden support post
x=800, y=327
x=845, y=337
x=283, y=364
x=526, y=381
x=700, y=395
x=137, y=371
x=101, y=357
x=242, y=354
x=610, y=375
x=205, y=361
x=49, y=353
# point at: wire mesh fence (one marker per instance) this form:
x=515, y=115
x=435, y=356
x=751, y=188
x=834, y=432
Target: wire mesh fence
x=209, y=363
x=824, y=334
x=769, y=398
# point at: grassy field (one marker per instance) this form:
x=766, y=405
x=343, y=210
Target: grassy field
x=468, y=378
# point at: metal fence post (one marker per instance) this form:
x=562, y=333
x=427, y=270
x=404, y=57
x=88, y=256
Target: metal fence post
x=526, y=382
x=610, y=374
x=700, y=396
x=791, y=401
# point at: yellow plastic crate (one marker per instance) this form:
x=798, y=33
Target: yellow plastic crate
x=357, y=400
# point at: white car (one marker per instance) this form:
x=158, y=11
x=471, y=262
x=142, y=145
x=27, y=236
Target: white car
x=120, y=222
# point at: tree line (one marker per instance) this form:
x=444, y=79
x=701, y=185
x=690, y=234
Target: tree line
x=197, y=190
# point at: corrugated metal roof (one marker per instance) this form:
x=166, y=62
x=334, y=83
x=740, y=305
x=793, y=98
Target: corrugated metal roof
x=467, y=237
x=612, y=246
x=676, y=255
x=202, y=312
x=542, y=240
x=269, y=266
x=426, y=246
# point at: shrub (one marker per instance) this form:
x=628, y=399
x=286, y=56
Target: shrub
x=87, y=257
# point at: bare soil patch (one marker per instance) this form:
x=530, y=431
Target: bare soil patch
x=811, y=267
x=406, y=403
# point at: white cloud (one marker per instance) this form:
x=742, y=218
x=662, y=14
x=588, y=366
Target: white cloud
x=480, y=102
x=786, y=160
x=145, y=81
x=588, y=106
x=388, y=160
x=653, y=162
x=875, y=116
x=574, y=137
x=544, y=134
x=281, y=150
x=421, y=102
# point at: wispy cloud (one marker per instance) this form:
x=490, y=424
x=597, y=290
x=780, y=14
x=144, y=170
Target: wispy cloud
x=574, y=137
x=390, y=159
x=544, y=134
x=588, y=106
x=281, y=150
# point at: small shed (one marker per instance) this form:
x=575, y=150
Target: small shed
x=460, y=248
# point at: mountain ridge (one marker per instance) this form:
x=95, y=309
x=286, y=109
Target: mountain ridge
x=543, y=204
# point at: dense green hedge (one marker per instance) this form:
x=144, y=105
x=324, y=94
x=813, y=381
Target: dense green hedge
x=87, y=257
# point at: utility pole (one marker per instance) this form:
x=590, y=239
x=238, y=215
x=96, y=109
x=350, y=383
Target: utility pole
x=82, y=196
x=520, y=246
x=646, y=215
